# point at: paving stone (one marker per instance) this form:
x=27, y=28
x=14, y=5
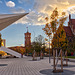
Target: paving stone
x=25, y=66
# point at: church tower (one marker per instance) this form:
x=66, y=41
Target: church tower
x=27, y=39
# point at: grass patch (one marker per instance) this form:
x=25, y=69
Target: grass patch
x=73, y=57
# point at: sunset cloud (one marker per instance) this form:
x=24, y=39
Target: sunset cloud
x=43, y=8
x=32, y=18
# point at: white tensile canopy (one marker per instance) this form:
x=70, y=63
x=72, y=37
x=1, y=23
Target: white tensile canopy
x=14, y=53
x=7, y=19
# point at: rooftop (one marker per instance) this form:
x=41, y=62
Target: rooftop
x=68, y=31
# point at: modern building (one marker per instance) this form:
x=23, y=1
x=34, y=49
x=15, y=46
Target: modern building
x=27, y=39
x=8, y=19
x=5, y=21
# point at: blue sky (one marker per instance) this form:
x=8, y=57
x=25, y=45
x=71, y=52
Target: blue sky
x=14, y=34
x=38, y=10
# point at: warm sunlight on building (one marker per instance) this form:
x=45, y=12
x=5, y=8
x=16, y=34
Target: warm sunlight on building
x=3, y=43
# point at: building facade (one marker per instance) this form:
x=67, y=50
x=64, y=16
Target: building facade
x=70, y=29
x=70, y=33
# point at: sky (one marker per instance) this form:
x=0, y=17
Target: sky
x=35, y=20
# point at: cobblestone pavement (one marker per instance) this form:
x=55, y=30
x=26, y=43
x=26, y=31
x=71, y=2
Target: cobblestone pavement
x=25, y=66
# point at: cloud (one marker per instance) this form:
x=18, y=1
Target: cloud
x=26, y=2
x=71, y=1
x=49, y=8
x=21, y=1
x=71, y=10
x=17, y=10
x=32, y=19
x=42, y=4
x=62, y=0
x=0, y=1
x=43, y=8
x=22, y=45
x=10, y=4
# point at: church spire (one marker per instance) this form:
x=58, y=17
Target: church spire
x=27, y=29
x=69, y=16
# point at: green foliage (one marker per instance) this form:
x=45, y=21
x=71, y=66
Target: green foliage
x=71, y=45
x=60, y=39
x=54, y=20
x=18, y=49
x=51, y=25
x=51, y=28
x=73, y=57
x=38, y=44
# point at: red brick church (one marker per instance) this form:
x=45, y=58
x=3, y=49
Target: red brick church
x=70, y=29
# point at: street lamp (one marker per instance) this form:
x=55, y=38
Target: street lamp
x=50, y=37
x=49, y=49
x=49, y=45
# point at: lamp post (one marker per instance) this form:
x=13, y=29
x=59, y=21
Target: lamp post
x=49, y=46
x=49, y=49
x=50, y=37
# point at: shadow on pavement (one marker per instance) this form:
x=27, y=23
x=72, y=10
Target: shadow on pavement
x=65, y=66
x=49, y=72
x=35, y=60
x=3, y=64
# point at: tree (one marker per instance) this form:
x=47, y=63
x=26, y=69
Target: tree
x=38, y=44
x=22, y=51
x=54, y=21
x=60, y=39
x=28, y=49
x=53, y=24
x=18, y=49
x=71, y=45
x=39, y=39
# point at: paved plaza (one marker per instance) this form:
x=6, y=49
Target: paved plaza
x=25, y=66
